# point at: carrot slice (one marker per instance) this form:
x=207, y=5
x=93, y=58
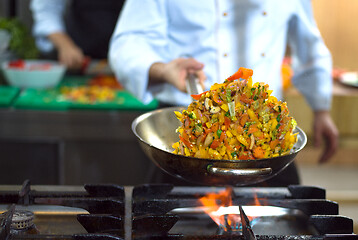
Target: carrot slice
x=274, y=143
x=215, y=127
x=244, y=119
x=227, y=122
x=259, y=152
x=245, y=99
x=253, y=128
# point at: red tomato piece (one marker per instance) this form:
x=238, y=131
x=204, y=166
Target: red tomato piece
x=18, y=64
x=215, y=144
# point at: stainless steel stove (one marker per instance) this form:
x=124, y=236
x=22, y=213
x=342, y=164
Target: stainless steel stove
x=162, y=211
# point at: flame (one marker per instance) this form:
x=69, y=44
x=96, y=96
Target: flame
x=215, y=204
x=219, y=207
x=256, y=200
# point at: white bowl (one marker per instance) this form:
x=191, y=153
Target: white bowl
x=39, y=74
x=349, y=78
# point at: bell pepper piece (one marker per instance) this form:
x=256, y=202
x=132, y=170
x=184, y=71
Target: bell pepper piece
x=187, y=143
x=197, y=96
x=244, y=73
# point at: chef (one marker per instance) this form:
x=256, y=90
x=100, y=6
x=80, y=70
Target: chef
x=151, y=37
x=71, y=30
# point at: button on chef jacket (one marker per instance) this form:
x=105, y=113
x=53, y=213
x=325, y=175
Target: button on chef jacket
x=224, y=35
x=89, y=23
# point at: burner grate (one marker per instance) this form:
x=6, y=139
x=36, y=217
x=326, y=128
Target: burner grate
x=162, y=211
x=162, y=205
x=104, y=204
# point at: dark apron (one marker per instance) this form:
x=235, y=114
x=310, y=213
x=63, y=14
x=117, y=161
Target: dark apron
x=90, y=23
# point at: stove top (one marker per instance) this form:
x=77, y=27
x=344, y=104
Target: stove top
x=162, y=211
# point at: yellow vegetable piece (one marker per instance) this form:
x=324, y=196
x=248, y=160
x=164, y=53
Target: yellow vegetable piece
x=178, y=114
x=216, y=86
x=221, y=118
x=225, y=107
x=175, y=145
x=252, y=115
x=242, y=140
x=273, y=124
x=249, y=83
x=187, y=153
x=222, y=150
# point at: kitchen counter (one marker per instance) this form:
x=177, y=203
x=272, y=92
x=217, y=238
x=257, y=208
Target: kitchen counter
x=61, y=141
x=71, y=124
x=71, y=147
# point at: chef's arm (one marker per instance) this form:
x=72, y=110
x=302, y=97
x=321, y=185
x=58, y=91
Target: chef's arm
x=69, y=53
x=312, y=66
x=136, y=45
x=49, y=30
x=175, y=72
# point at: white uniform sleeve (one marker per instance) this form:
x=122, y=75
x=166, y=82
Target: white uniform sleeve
x=312, y=63
x=138, y=41
x=48, y=18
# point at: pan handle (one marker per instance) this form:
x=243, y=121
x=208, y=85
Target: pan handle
x=192, y=84
x=239, y=172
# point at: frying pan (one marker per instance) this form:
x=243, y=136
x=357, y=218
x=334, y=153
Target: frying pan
x=156, y=133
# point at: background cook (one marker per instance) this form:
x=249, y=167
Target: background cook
x=71, y=30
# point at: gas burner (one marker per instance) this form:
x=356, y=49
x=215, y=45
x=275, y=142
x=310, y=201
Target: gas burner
x=300, y=212
x=22, y=219
x=18, y=222
x=162, y=211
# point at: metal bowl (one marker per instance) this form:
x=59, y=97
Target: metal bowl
x=156, y=133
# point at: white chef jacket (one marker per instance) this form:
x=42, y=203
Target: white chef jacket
x=48, y=19
x=224, y=35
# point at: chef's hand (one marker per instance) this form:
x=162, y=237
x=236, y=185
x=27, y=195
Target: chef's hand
x=325, y=130
x=71, y=56
x=69, y=53
x=176, y=71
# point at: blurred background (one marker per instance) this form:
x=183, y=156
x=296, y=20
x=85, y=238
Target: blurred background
x=61, y=146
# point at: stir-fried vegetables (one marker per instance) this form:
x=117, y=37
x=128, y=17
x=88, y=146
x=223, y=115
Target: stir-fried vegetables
x=236, y=120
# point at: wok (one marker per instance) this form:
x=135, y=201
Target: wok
x=156, y=133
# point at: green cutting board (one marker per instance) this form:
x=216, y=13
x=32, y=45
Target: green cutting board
x=40, y=99
x=7, y=95
x=51, y=99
